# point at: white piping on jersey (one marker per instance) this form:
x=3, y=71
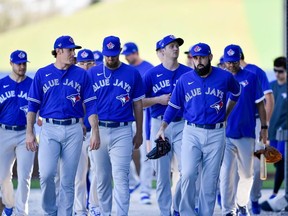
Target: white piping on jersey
x=268, y=91
x=239, y=93
x=173, y=105
x=260, y=99
x=139, y=98
x=34, y=100
x=89, y=99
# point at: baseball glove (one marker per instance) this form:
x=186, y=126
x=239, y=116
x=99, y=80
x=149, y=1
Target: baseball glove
x=162, y=148
x=271, y=154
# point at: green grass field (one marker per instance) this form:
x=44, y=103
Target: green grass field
x=255, y=25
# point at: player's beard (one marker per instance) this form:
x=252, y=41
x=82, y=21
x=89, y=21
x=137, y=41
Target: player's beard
x=203, y=70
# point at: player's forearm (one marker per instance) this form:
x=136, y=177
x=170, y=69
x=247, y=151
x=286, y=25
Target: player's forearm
x=31, y=119
x=93, y=121
x=269, y=105
x=230, y=107
x=138, y=113
x=148, y=102
x=262, y=113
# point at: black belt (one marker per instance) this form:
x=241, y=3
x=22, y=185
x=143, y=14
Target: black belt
x=207, y=126
x=14, y=128
x=62, y=121
x=176, y=119
x=112, y=124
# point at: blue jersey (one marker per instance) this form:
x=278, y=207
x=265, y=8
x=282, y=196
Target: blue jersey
x=159, y=81
x=13, y=101
x=241, y=121
x=60, y=94
x=116, y=90
x=143, y=67
x=203, y=99
x=261, y=76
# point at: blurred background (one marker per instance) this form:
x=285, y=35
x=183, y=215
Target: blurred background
x=258, y=26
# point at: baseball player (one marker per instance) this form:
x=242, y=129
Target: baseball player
x=202, y=94
x=159, y=83
x=189, y=60
x=85, y=60
x=278, y=119
x=119, y=91
x=269, y=104
x=240, y=137
x=59, y=91
x=131, y=53
x=158, y=51
x=98, y=56
x=14, y=90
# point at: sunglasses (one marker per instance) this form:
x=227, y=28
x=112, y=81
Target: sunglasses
x=279, y=71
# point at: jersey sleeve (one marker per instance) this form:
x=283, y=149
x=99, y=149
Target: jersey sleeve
x=147, y=83
x=259, y=96
x=89, y=98
x=35, y=94
x=139, y=93
x=234, y=87
x=264, y=81
x=175, y=103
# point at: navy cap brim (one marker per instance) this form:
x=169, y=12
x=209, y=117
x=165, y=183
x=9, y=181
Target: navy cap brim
x=111, y=53
x=20, y=62
x=70, y=47
x=186, y=52
x=228, y=59
x=127, y=53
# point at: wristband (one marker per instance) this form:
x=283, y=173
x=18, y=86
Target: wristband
x=264, y=127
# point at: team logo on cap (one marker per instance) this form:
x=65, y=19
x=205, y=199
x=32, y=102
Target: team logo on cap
x=74, y=98
x=217, y=106
x=230, y=52
x=96, y=56
x=244, y=83
x=71, y=40
x=124, y=98
x=197, y=49
x=21, y=55
x=110, y=45
x=84, y=54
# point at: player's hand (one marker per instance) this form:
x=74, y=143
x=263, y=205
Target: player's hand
x=160, y=133
x=137, y=140
x=264, y=135
x=31, y=142
x=94, y=139
x=164, y=99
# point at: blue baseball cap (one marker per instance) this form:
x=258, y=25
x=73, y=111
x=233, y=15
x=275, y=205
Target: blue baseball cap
x=221, y=60
x=85, y=55
x=98, y=56
x=111, y=46
x=129, y=48
x=232, y=53
x=169, y=39
x=200, y=49
x=189, y=51
x=18, y=57
x=65, y=42
x=158, y=45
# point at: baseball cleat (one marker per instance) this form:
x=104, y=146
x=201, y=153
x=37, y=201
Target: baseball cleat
x=243, y=211
x=145, y=199
x=255, y=207
x=132, y=189
x=94, y=211
x=7, y=212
